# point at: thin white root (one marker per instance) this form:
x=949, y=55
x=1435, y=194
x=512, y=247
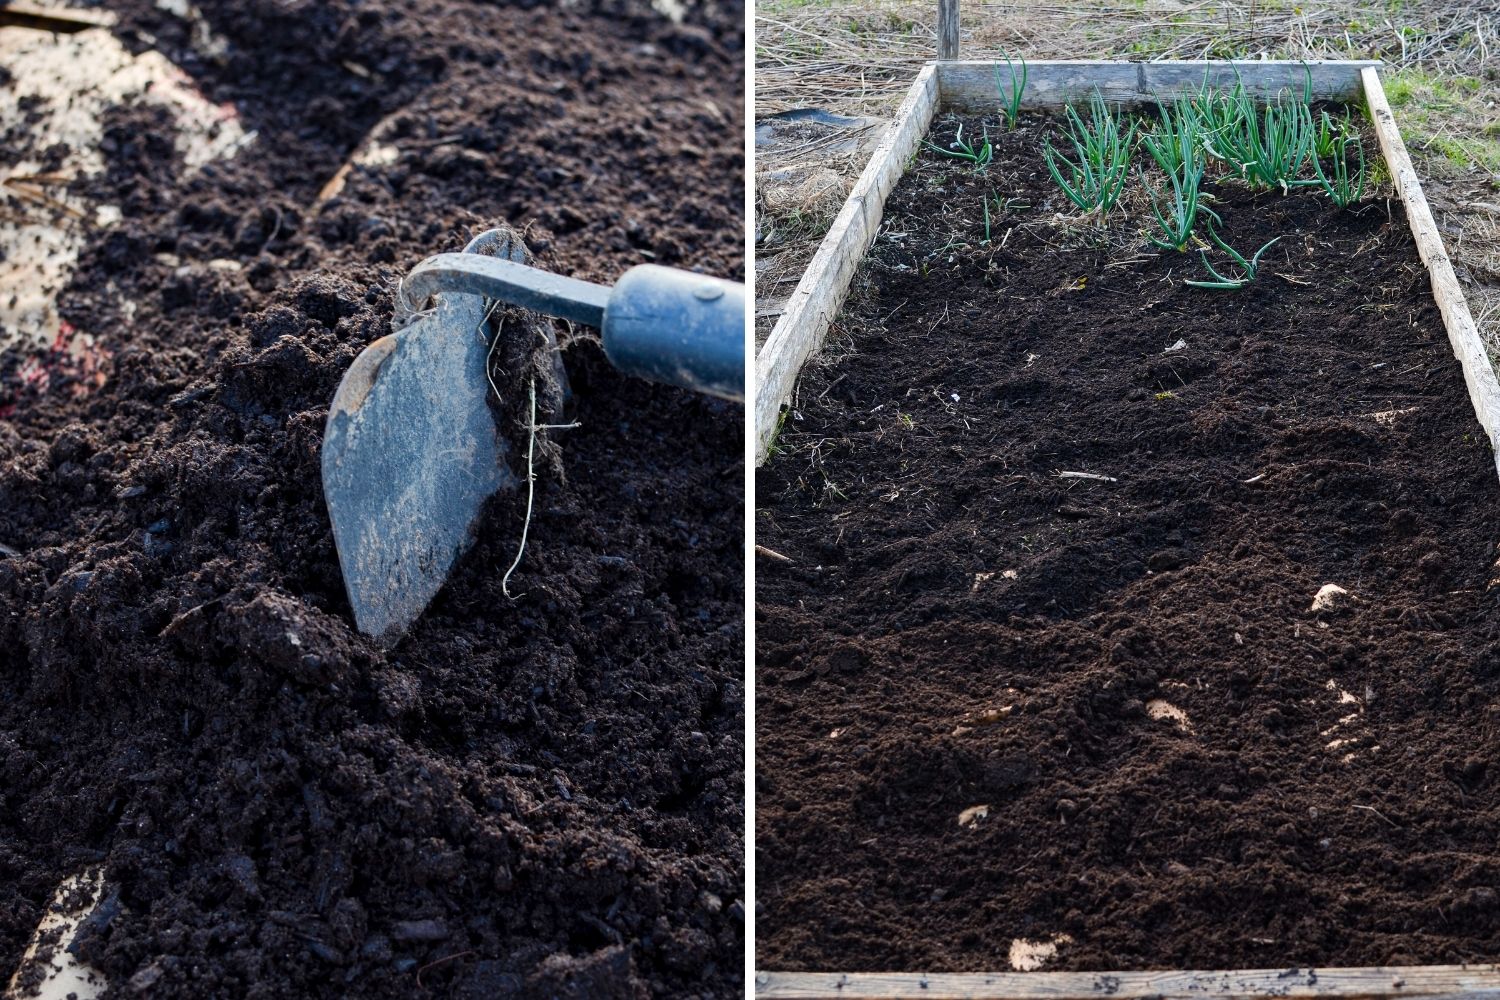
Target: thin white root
x=489, y=358
x=530, y=448
x=530, y=496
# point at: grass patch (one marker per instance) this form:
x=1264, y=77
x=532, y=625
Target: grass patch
x=1445, y=118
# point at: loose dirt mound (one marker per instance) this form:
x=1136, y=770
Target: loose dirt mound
x=530, y=797
x=998, y=703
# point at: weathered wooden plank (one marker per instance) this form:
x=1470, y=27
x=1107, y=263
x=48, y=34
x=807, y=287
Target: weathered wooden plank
x=947, y=29
x=825, y=285
x=1463, y=334
x=1447, y=981
x=970, y=85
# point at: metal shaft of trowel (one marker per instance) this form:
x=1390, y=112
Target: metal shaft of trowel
x=657, y=323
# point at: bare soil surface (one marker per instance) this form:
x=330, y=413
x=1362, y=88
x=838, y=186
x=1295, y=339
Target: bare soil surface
x=1000, y=703
x=539, y=797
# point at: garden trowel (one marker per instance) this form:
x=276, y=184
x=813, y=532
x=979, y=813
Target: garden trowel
x=412, y=450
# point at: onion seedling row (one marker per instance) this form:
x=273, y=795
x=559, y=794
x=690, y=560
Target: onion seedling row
x=1094, y=180
x=1274, y=145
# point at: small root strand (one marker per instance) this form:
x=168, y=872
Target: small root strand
x=530, y=495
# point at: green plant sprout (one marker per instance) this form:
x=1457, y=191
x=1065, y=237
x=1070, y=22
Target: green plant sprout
x=1343, y=187
x=1178, y=216
x=1174, y=147
x=1176, y=136
x=1217, y=112
x=979, y=156
x=776, y=447
x=1329, y=133
x=1250, y=267
x=1003, y=206
x=1011, y=97
x=1267, y=150
x=1096, y=179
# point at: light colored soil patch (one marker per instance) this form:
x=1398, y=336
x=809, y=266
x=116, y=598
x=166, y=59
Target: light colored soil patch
x=61, y=88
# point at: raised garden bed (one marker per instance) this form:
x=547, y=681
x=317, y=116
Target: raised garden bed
x=1049, y=673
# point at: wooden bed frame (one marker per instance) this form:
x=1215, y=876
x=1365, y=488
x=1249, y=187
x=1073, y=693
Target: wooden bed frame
x=1447, y=981
x=970, y=86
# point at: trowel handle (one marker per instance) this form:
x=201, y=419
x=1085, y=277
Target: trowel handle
x=678, y=327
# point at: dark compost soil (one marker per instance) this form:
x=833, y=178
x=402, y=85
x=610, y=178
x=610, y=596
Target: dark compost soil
x=960, y=627
x=539, y=797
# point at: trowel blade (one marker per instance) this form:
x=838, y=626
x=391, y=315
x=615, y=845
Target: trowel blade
x=411, y=453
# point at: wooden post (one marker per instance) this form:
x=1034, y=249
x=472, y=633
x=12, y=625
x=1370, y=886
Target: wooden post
x=947, y=30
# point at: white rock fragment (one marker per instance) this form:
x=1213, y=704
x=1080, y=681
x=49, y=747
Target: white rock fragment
x=1164, y=711
x=973, y=814
x=1329, y=596
x=1028, y=956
